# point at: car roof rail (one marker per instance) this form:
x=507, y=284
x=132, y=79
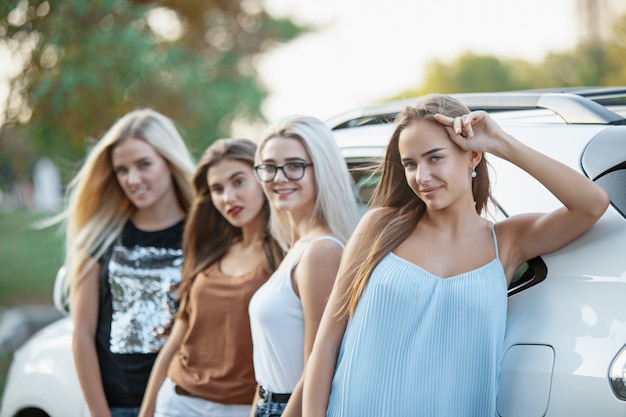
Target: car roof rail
x=573, y=108
x=597, y=94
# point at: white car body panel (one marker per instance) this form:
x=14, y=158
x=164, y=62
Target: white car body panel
x=43, y=375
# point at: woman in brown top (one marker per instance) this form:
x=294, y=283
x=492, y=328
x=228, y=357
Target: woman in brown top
x=205, y=367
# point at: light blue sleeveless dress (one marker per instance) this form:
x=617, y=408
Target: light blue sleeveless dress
x=421, y=345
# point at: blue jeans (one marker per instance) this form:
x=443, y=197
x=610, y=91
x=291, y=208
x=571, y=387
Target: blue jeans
x=266, y=409
x=124, y=412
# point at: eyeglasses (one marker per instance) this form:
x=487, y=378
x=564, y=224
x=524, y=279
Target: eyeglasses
x=293, y=171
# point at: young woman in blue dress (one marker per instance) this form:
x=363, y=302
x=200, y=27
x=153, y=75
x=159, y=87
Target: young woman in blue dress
x=416, y=320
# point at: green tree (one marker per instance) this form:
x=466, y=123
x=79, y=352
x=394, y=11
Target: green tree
x=595, y=64
x=615, y=53
x=472, y=73
x=86, y=63
x=588, y=64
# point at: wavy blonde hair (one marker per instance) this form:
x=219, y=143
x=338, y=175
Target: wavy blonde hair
x=336, y=201
x=405, y=209
x=97, y=208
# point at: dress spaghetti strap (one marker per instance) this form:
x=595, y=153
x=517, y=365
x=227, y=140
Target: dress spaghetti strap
x=495, y=240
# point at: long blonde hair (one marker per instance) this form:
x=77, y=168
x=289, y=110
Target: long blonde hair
x=336, y=201
x=208, y=235
x=405, y=209
x=97, y=208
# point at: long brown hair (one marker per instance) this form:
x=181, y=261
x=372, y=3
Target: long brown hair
x=207, y=234
x=405, y=209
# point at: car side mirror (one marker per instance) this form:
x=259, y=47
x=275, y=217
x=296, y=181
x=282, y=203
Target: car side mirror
x=60, y=293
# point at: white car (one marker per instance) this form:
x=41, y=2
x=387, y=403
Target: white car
x=565, y=346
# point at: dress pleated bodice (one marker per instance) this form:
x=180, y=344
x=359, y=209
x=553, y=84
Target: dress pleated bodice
x=421, y=345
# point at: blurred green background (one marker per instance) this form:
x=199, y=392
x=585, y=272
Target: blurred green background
x=30, y=258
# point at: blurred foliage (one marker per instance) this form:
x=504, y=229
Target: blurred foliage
x=86, y=63
x=30, y=258
x=5, y=363
x=591, y=64
x=17, y=155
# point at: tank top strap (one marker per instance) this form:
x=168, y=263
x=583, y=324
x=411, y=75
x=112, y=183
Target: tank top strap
x=333, y=238
x=495, y=240
x=327, y=237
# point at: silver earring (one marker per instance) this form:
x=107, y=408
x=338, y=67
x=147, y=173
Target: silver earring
x=474, y=172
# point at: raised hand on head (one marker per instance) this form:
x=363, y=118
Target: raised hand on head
x=475, y=131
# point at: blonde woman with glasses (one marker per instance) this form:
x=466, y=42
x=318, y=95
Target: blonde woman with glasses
x=313, y=212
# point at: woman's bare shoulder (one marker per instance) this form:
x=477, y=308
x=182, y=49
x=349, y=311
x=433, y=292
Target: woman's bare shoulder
x=376, y=215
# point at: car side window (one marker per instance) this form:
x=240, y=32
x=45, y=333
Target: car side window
x=365, y=181
x=530, y=273
x=614, y=183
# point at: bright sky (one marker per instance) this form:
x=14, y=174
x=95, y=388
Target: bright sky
x=367, y=50
x=370, y=49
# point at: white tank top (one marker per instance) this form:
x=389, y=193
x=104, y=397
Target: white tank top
x=277, y=325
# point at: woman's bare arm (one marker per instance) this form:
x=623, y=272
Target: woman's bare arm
x=84, y=311
x=161, y=364
x=314, y=277
x=320, y=368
